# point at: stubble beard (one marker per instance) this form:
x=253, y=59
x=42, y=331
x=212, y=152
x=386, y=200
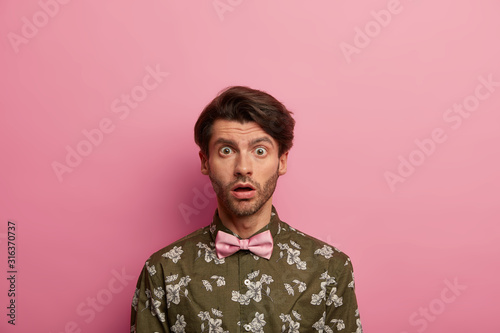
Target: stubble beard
x=233, y=205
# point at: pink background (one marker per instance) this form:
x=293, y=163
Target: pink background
x=366, y=81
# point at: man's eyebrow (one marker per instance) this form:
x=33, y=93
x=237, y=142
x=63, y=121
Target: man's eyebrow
x=263, y=139
x=224, y=142
x=233, y=143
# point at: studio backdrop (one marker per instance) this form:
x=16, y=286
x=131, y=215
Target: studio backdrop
x=395, y=160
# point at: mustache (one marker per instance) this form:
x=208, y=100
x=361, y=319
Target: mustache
x=244, y=179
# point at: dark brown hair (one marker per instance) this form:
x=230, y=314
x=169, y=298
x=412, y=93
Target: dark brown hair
x=244, y=104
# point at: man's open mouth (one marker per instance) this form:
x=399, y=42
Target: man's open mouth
x=243, y=191
x=243, y=187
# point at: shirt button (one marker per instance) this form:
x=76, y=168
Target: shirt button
x=247, y=327
x=247, y=282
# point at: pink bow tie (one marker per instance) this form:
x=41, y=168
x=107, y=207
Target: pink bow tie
x=260, y=244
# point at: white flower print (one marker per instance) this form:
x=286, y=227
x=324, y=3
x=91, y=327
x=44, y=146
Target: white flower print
x=219, y=281
x=285, y=317
x=351, y=284
x=151, y=269
x=174, y=254
x=359, y=329
x=320, y=325
x=292, y=255
x=257, y=324
x=301, y=265
x=326, y=251
x=154, y=305
x=253, y=275
x=174, y=291
x=161, y=316
x=159, y=293
x=217, y=312
x=301, y=286
x=135, y=300
x=328, y=278
x=267, y=279
x=240, y=298
x=204, y=315
x=280, y=228
x=212, y=229
x=296, y=315
x=289, y=289
x=179, y=326
x=171, y=278
x=173, y=294
x=283, y=246
x=207, y=285
x=293, y=325
x=184, y=281
x=254, y=291
x=210, y=254
x=333, y=298
x=317, y=299
x=339, y=322
x=298, y=232
x=214, y=324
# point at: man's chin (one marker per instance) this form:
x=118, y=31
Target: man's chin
x=242, y=208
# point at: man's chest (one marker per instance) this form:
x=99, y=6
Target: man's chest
x=246, y=293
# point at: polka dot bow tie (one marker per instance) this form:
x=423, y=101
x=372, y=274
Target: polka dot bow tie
x=260, y=244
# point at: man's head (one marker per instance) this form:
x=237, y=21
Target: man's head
x=244, y=136
x=244, y=104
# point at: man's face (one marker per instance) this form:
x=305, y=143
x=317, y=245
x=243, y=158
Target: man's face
x=243, y=165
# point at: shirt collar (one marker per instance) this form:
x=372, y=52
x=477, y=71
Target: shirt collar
x=274, y=225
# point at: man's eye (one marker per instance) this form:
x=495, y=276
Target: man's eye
x=260, y=151
x=226, y=150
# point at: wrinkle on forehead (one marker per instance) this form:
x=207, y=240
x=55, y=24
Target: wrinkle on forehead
x=229, y=128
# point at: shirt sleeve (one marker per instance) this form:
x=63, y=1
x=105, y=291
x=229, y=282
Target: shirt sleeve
x=342, y=312
x=149, y=303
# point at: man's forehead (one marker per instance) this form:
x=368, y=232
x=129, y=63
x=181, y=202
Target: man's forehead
x=235, y=130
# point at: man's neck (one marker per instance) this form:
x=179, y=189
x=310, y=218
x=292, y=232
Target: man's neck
x=246, y=226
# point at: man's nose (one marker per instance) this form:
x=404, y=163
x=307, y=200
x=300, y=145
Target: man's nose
x=243, y=165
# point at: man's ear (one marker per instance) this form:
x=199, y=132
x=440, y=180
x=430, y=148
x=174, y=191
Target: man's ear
x=204, y=163
x=282, y=165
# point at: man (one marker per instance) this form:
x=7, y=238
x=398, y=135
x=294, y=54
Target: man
x=247, y=271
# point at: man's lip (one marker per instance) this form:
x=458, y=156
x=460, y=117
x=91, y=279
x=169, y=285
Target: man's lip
x=243, y=195
x=241, y=185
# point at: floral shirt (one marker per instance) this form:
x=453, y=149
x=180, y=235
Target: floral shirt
x=306, y=286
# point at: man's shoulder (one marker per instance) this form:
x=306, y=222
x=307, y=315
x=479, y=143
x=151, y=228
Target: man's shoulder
x=174, y=250
x=296, y=239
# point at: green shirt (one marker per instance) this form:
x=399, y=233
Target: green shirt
x=306, y=286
